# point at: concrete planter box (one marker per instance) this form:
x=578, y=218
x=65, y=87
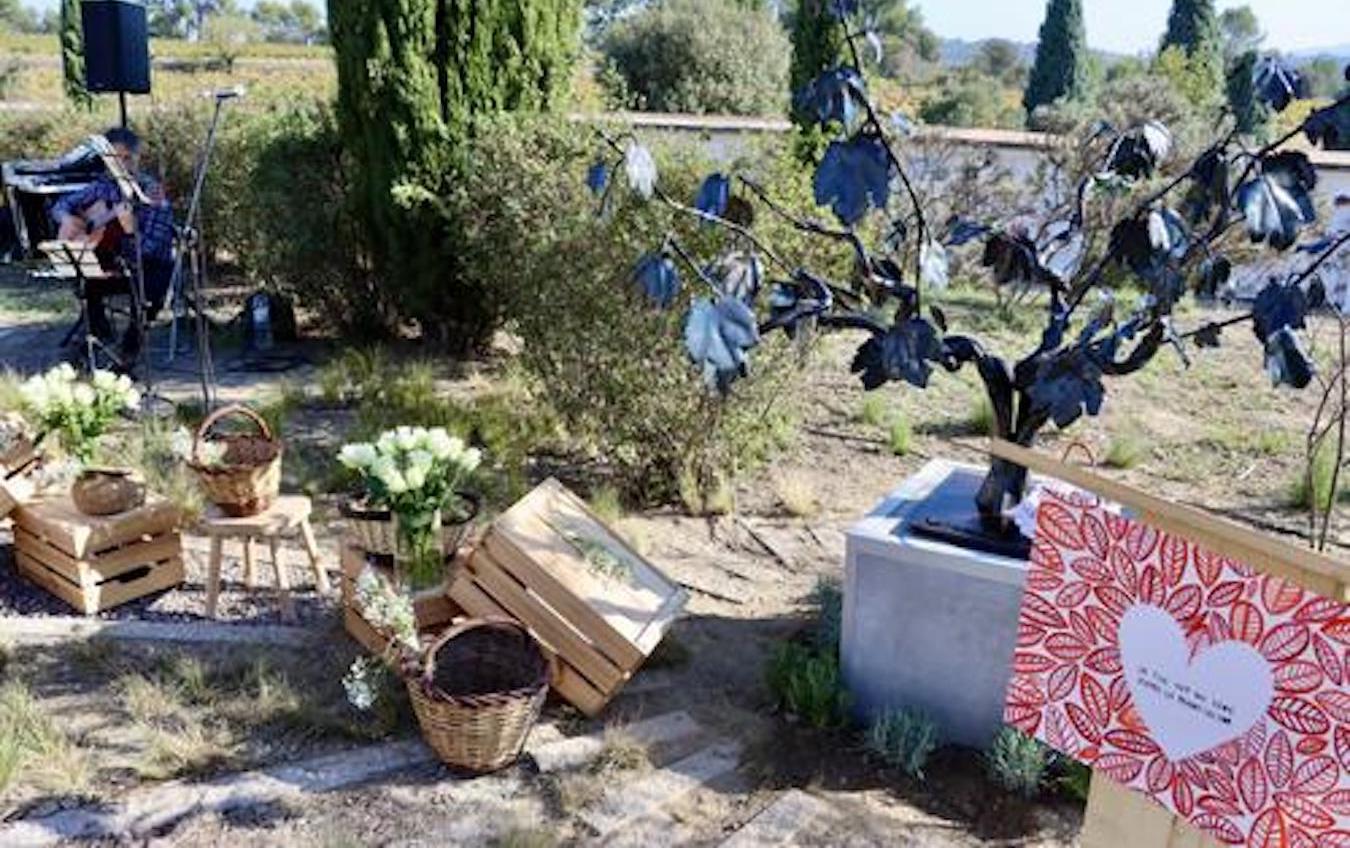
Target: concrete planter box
x=926, y=624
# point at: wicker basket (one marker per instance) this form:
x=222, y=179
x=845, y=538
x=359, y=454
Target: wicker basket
x=374, y=532
x=249, y=476
x=481, y=689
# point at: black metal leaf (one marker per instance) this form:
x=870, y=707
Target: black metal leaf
x=1138, y=152
x=1278, y=306
x=1214, y=272
x=713, y=195
x=1067, y=385
x=1330, y=127
x=1287, y=361
x=718, y=337
x=962, y=230
x=1209, y=189
x=1277, y=202
x=1208, y=335
x=658, y=278
x=1277, y=84
x=906, y=352
x=597, y=176
x=739, y=275
x=854, y=176
x=837, y=95
x=1014, y=259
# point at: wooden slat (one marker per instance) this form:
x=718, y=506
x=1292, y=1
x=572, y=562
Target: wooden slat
x=53, y=583
x=531, y=611
x=576, y=610
x=569, y=685
x=163, y=575
x=52, y=557
x=1218, y=535
x=14, y=492
x=58, y=521
x=102, y=567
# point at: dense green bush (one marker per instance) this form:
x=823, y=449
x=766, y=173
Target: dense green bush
x=614, y=370
x=707, y=56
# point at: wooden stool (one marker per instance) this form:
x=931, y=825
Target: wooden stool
x=289, y=514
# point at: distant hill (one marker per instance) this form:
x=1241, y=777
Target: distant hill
x=1339, y=52
x=955, y=52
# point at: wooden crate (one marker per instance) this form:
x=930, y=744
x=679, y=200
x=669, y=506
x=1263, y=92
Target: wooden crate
x=14, y=492
x=433, y=608
x=601, y=626
x=94, y=563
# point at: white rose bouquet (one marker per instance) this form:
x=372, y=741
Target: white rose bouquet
x=77, y=411
x=416, y=473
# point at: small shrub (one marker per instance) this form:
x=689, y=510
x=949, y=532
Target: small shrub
x=1017, y=762
x=828, y=598
x=872, y=411
x=1125, y=450
x=605, y=502
x=807, y=683
x=1313, y=486
x=901, y=436
x=1075, y=778
x=903, y=738
x=796, y=494
x=980, y=421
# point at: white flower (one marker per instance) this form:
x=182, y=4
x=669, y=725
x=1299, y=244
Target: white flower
x=181, y=443
x=105, y=380
x=359, y=683
x=359, y=455
x=65, y=372
x=133, y=399
x=471, y=459
x=415, y=476
x=34, y=393
x=439, y=443
x=392, y=479
x=640, y=168
x=84, y=394
x=420, y=459
x=406, y=438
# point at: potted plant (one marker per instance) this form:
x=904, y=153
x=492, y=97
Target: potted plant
x=77, y=413
x=413, y=499
x=477, y=688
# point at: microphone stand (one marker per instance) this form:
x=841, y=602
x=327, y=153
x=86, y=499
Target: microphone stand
x=190, y=243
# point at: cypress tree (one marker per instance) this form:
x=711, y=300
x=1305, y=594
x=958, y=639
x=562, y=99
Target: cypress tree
x=1194, y=27
x=1249, y=113
x=72, y=54
x=1061, y=67
x=413, y=76
x=817, y=46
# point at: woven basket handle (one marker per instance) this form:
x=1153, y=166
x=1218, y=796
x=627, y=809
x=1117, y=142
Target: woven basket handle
x=1081, y=448
x=494, y=621
x=225, y=411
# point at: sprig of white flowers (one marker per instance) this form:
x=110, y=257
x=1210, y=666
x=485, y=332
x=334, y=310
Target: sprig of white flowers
x=211, y=455
x=78, y=411
x=391, y=612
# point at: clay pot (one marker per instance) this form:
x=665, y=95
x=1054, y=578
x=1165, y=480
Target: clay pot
x=107, y=491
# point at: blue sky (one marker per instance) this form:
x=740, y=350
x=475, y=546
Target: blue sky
x=1128, y=26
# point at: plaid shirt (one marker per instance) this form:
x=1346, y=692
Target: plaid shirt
x=154, y=221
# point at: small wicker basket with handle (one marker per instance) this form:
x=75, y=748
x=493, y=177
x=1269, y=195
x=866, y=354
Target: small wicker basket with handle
x=248, y=477
x=479, y=692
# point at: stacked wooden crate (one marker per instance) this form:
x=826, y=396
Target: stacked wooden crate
x=97, y=562
x=552, y=564
x=15, y=488
x=433, y=608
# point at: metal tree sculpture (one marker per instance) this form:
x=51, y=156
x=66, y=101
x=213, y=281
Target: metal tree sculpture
x=1169, y=240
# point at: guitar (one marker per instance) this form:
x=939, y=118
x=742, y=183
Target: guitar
x=99, y=225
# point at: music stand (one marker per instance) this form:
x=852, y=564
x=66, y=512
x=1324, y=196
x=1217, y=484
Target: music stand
x=76, y=261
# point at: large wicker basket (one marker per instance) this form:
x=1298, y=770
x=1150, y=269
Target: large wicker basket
x=249, y=476
x=480, y=692
x=373, y=529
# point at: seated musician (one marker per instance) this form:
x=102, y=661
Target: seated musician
x=98, y=214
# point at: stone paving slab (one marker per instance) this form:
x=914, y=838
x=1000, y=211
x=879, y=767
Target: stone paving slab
x=636, y=799
x=778, y=823
x=51, y=629
x=579, y=750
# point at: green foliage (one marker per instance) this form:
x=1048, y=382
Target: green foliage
x=901, y=436
x=980, y=419
x=1193, y=28
x=904, y=739
x=828, y=599
x=566, y=288
x=1240, y=32
x=1075, y=778
x=809, y=685
x=228, y=35
x=1315, y=487
x=1017, y=762
x=872, y=411
x=72, y=54
x=1125, y=450
x=704, y=56
x=1195, y=76
x=1060, y=69
x=1249, y=111
x=817, y=44
x=414, y=78
x=971, y=99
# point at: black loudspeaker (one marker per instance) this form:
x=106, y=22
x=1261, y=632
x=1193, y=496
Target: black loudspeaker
x=116, y=46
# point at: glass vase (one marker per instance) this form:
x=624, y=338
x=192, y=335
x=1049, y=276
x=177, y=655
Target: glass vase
x=419, y=557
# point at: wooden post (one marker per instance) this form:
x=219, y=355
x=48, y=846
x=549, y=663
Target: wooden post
x=1115, y=815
